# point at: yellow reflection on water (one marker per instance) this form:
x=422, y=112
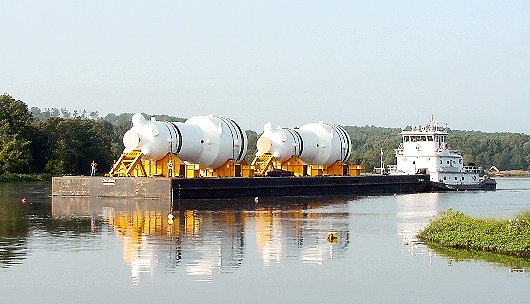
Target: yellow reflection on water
x=133, y=227
x=268, y=236
x=204, y=243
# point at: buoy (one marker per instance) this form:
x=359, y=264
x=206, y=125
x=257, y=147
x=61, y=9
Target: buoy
x=256, y=200
x=170, y=218
x=332, y=237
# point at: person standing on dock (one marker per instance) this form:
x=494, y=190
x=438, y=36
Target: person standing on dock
x=93, y=167
x=170, y=168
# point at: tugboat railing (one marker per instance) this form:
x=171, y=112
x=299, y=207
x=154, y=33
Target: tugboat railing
x=472, y=169
x=391, y=168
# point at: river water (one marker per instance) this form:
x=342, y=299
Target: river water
x=276, y=251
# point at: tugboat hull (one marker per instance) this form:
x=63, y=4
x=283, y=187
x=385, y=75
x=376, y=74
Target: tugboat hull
x=487, y=184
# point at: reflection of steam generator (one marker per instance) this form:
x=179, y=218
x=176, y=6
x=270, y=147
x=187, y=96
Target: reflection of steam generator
x=204, y=158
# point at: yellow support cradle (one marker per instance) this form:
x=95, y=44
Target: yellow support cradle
x=295, y=165
x=129, y=164
x=133, y=164
x=230, y=168
x=262, y=164
x=265, y=162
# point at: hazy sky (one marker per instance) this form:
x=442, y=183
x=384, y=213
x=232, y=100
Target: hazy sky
x=382, y=63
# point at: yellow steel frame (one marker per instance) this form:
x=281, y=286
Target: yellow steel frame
x=265, y=162
x=129, y=164
x=230, y=168
x=293, y=164
x=161, y=168
x=262, y=164
x=133, y=164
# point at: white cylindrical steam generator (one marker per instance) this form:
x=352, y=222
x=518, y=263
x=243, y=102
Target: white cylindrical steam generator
x=314, y=143
x=207, y=140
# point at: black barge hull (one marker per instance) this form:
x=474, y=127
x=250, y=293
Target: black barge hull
x=208, y=188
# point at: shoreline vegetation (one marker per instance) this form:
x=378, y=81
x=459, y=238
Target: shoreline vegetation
x=17, y=177
x=453, y=229
x=512, y=173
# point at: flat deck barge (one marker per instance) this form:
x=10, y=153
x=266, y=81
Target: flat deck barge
x=235, y=187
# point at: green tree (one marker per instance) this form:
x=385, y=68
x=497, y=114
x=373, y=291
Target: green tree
x=15, y=116
x=15, y=133
x=252, y=138
x=15, y=156
x=72, y=144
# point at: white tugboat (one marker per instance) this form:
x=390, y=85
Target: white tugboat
x=424, y=150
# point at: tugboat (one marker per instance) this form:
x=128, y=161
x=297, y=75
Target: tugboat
x=424, y=150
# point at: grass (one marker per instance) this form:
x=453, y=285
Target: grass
x=16, y=177
x=456, y=230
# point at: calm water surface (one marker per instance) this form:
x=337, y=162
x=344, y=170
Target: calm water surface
x=79, y=251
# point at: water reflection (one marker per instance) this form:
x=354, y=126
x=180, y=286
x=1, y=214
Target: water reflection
x=300, y=232
x=514, y=264
x=215, y=238
x=134, y=221
x=15, y=201
x=13, y=233
x=75, y=245
x=413, y=214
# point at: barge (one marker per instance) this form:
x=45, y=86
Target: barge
x=203, y=158
x=235, y=187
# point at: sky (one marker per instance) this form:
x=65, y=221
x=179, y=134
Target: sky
x=288, y=62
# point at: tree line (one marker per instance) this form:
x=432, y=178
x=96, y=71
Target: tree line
x=59, y=142
x=506, y=151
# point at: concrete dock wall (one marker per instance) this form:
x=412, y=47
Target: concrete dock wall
x=124, y=187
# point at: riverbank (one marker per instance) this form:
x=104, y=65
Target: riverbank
x=511, y=173
x=16, y=177
x=456, y=230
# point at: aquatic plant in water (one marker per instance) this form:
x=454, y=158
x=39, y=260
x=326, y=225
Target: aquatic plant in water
x=457, y=230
